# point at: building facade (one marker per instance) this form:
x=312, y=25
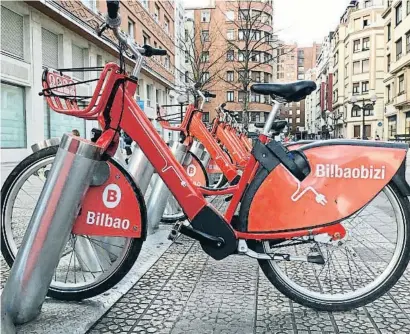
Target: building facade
x=397, y=68
x=61, y=34
x=221, y=23
x=358, y=49
x=293, y=62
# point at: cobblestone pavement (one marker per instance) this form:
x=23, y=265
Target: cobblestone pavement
x=188, y=292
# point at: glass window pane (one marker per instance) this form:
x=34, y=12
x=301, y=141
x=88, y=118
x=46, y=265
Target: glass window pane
x=13, y=122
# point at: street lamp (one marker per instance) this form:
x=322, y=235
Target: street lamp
x=368, y=106
x=333, y=118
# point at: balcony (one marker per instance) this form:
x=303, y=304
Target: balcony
x=402, y=99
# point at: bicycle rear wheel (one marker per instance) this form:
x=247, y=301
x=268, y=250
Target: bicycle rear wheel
x=358, y=269
x=89, y=265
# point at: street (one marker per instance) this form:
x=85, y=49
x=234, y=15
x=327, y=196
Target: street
x=179, y=289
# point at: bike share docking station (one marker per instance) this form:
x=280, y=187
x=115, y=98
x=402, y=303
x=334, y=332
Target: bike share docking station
x=48, y=231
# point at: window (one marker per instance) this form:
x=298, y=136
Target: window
x=230, y=96
x=166, y=24
x=243, y=14
x=408, y=42
x=241, y=56
x=388, y=93
x=55, y=124
x=366, y=21
x=346, y=70
x=356, y=67
x=408, y=122
x=186, y=57
x=368, y=130
x=336, y=57
x=356, y=88
x=145, y=3
x=146, y=38
x=356, y=131
x=298, y=120
x=255, y=117
x=356, y=112
x=78, y=61
x=365, y=66
x=255, y=98
x=149, y=95
x=255, y=56
x=392, y=126
x=356, y=45
x=205, y=16
x=399, y=13
x=205, y=56
x=266, y=77
x=388, y=62
x=256, y=76
x=186, y=76
x=368, y=3
x=157, y=13
x=298, y=111
x=335, y=95
x=131, y=28
x=290, y=112
x=401, y=84
x=301, y=76
x=389, y=32
x=366, y=43
x=241, y=96
x=13, y=118
x=186, y=35
x=230, y=34
x=241, y=34
x=12, y=33
x=399, y=49
x=205, y=117
x=205, y=77
x=49, y=48
x=205, y=35
x=230, y=76
x=256, y=35
x=230, y=55
x=230, y=15
x=365, y=86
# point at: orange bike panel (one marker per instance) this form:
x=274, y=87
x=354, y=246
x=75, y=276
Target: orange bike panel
x=213, y=168
x=111, y=209
x=342, y=180
x=195, y=172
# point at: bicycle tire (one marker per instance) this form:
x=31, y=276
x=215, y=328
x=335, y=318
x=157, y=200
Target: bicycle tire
x=128, y=261
x=335, y=306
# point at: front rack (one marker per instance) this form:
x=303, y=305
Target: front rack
x=61, y=90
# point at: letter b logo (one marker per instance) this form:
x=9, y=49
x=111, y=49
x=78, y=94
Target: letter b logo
x=111, y=196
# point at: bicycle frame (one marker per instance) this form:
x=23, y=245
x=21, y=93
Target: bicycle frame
x=126, y=114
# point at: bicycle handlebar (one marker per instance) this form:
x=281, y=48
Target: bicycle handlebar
x=113, y=21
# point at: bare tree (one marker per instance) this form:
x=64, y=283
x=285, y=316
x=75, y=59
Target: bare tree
x=252, y=47
x=204, y=49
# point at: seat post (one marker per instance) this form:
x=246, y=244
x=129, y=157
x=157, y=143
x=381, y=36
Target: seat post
x=271, y=118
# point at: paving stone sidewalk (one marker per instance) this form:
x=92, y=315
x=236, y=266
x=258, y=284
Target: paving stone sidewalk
x=188, y=292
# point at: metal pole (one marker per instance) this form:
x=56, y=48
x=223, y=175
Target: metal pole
x=140, y=169
x=160, y=192
x=49, y=229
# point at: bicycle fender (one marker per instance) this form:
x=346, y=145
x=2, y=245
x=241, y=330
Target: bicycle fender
x=344, y=177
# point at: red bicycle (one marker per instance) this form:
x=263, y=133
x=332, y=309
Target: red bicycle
x=328, y=222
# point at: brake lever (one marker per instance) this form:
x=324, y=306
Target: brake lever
x=101, y=29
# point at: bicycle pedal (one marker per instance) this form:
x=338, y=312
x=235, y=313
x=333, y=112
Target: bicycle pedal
x=173, y=235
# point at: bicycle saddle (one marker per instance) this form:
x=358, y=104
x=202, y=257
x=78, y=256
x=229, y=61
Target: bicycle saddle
x=291, y=92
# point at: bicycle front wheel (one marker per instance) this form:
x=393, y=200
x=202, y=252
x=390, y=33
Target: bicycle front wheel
x=88, y=265
x=358, y=269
